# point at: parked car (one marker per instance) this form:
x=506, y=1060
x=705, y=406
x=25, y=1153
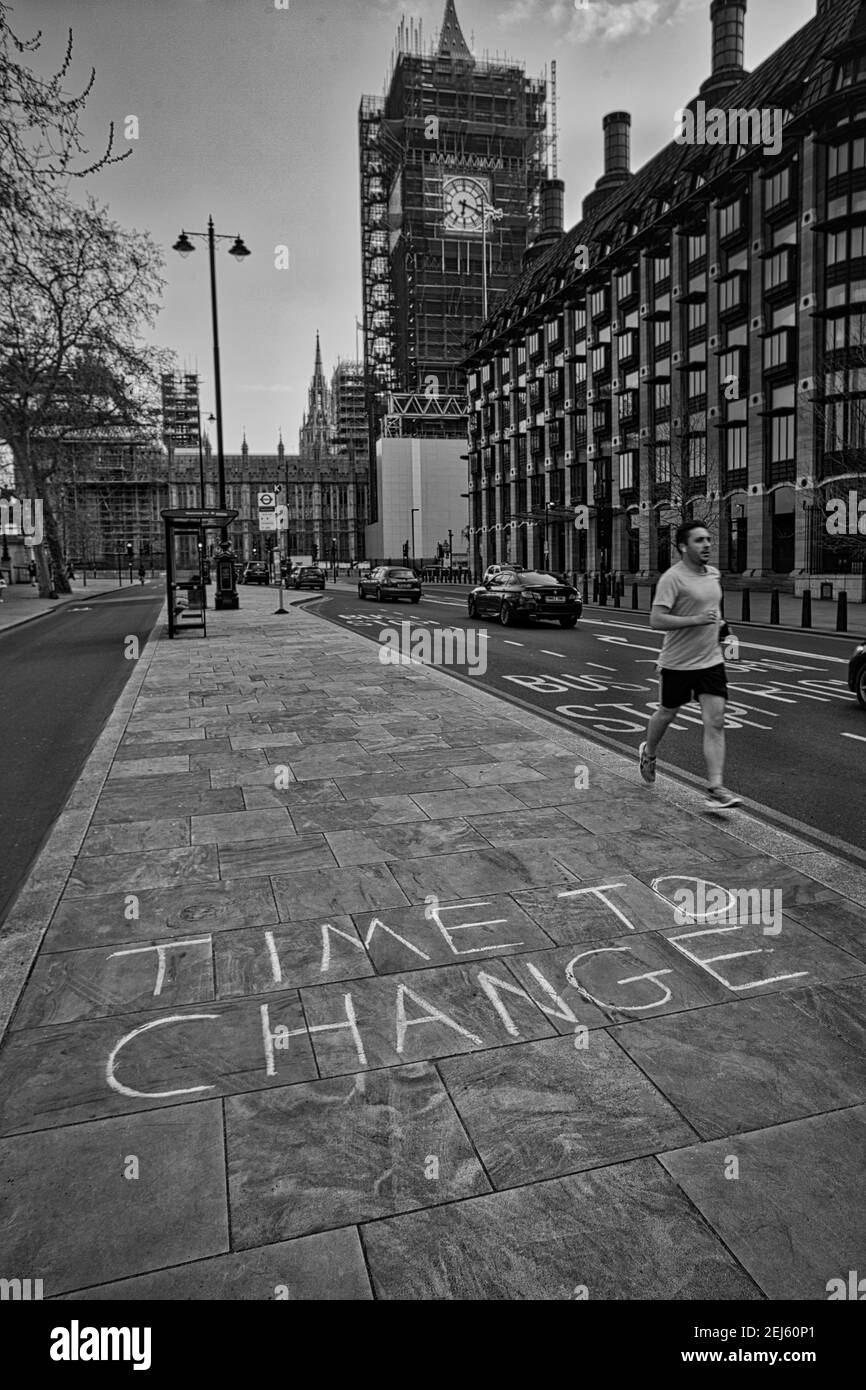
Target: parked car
x=310, y=577
x=390, y=581
x=857, y=674
x=493, y=570
x=256, y=572
x=526, y=595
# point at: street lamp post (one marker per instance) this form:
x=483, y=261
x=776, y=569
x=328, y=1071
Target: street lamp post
x=184, y=247
x=414, y=510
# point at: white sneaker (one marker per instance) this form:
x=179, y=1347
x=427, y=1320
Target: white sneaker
x=722, y=798
x=647, y=765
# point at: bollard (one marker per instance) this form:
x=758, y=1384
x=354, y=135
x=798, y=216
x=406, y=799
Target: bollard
x=595, y=588
x=634, y=597
x=842, y=612
x=774, y=607
x=602, y=591
x=806, y=620
x=746, y=611
x=617, y=596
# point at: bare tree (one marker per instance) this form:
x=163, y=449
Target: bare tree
x=73, y=303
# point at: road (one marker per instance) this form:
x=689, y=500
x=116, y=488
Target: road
x=796, y=735
x=62, y=676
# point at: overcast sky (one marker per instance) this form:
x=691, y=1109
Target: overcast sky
x=249, y=111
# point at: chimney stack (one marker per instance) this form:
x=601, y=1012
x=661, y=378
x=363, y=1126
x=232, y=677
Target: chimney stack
x=617, y=159
x=552, y=220
x=728, y=18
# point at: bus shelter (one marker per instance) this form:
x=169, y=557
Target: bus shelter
x=186, y=557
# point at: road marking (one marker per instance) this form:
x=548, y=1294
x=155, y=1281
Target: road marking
x=858, y=737
x=79, y=610
x=754, y=646
x=559, y=655
x=513, y=644
x=599, y=666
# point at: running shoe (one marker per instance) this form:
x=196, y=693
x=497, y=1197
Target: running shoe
x=722, y=798
x=647, y=765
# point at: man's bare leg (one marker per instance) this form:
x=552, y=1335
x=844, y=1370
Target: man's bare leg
x=713, y=714
x=657, y=728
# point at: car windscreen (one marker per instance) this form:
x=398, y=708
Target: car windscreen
x=401, y=574
x=539, y=581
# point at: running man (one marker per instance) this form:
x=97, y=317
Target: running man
x=687, y=609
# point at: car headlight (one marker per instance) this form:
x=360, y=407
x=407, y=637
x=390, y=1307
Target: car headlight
x=861, y=650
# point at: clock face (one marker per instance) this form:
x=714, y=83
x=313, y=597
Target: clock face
x=463, y=201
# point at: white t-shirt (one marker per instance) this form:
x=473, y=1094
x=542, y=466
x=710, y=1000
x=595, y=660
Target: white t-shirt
x=685, y=594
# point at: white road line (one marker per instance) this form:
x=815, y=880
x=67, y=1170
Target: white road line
x=559, y=655
x=599, y=667
x=858, y=737
x=754, y=646
x=513, y=644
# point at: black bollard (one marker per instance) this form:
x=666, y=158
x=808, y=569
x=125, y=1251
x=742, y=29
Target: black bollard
x=746, y=611
x=617, y=596
x=634, y=597
x=842, y=612
x=595, y=588
x=806, y=620
x=774, y=608
x=602, y=591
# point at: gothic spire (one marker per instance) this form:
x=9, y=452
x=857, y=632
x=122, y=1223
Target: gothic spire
x=452, y=44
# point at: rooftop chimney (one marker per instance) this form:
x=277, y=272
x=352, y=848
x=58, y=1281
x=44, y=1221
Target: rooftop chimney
x=617, y=159
x=728, y=19
x=552, y=219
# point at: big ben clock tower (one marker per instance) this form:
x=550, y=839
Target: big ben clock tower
x=434, y=154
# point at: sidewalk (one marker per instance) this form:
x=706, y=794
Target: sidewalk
x=21, y=602
x=342, y=980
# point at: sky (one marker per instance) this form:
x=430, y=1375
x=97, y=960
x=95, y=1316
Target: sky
x=247, y=110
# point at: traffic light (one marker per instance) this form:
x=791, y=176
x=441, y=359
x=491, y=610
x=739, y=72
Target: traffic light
x=129, y=549
x=405, y=550
x=315, y=552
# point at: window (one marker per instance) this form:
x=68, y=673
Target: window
x=697, y=384
x=730, y=293
x=554, y=330
x=697, y=316
x=661, y=269
x=736, y=452
x=625, y=285
x=837, y=161
x=599, y=360
x=697, y=246
x=534, y=344
x=778, y=269
x=598, y=303
x=627, y=471
x=662, y=396
x=777, y=189
x=697, y=454
x=663, y=463
x=837, y=247
x=662, y=332
x=579, y=321
x=782, y=439
x=731, y=218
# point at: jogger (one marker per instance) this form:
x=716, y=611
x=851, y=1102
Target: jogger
x=687, y=609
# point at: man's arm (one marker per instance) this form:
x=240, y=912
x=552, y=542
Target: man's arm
x=662, y=620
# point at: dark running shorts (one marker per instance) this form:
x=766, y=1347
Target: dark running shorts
x=679, y=687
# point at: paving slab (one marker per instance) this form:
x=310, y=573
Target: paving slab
x=343, y=1150
x=318, y=1268
x=792, y=1205
x=138, y=1192
x=623, y=1232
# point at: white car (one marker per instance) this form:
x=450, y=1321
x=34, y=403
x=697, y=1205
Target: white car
x=493, y=570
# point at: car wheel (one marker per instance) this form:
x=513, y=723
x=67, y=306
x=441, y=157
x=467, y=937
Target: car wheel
x=861, y=685
x=471, y=609
x=507, y=616
x=568, y=622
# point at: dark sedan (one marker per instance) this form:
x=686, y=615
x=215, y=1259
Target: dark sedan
x=529, y=596
x=389, y=581
x=256, y=572
x=310, y=577
x=857, y=674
